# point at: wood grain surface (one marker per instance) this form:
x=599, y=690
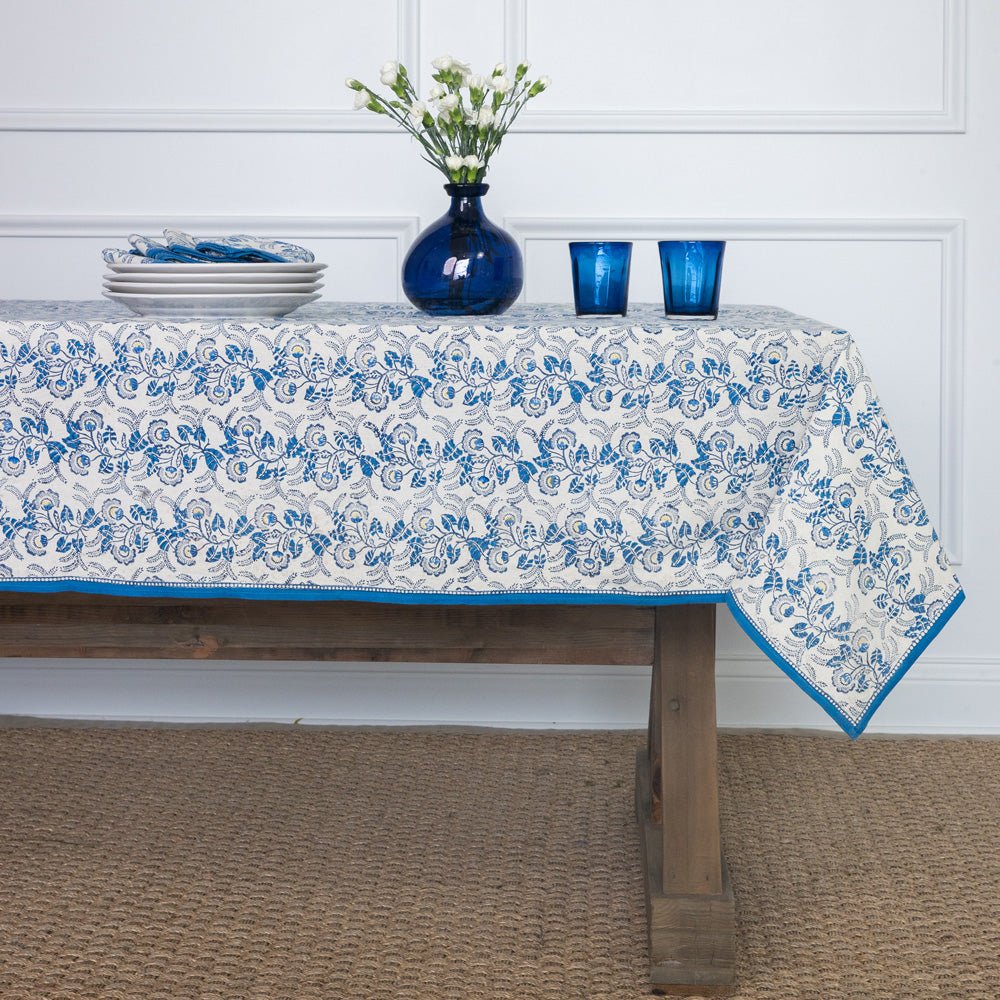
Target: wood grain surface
x=83, y=625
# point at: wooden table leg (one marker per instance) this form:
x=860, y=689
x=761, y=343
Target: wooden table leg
x=690, y=912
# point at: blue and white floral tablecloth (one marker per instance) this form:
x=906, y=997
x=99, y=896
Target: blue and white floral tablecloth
x=371, y=452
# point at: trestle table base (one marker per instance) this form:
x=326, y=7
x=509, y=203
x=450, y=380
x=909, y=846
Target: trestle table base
x=690, y=909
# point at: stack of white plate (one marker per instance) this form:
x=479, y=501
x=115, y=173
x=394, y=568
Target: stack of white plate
x=192, y=291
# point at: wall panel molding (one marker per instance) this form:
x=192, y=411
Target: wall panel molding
x=949, y=233
x=70, y=119
x=949, y=116
x=402, y=230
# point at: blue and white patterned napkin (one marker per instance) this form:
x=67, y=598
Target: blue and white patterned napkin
x=178, y=247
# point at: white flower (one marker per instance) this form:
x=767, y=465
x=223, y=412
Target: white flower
x=453, y=162
x=390, y=73
x=437, y=92
x=543, y=82
x=449, y=102
x=485, y=116
x=472, y=162
x=499, y=69
x=476, y=82
x=443, y=63
x=417, y=111
x=361, y=100
x=501, y=84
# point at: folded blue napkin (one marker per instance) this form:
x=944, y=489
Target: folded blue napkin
x=181, y=248
x=211, y=251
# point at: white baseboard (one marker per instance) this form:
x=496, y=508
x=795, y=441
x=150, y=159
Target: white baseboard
x=953, y=696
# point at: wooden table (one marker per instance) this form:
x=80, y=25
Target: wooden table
x=689, y=901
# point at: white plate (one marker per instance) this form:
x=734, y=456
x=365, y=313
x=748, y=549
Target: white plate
x=221, y=288
x=216, y=268
x=202, y=306
x=150, y=276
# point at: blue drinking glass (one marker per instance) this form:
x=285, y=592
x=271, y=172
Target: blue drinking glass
x=600, y=278
x=692, y=276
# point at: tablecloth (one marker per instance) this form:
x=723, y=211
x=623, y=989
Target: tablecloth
x=371, y=452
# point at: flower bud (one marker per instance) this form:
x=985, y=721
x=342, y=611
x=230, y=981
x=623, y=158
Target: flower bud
x=390, y=73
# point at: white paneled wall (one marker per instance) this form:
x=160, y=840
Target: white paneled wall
x=847, y=149
x=769, y=64
x=229, y=64
x=366, y=253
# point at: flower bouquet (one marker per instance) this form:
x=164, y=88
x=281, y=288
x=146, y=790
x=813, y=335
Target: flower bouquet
x=462, y=264
x=465, y=117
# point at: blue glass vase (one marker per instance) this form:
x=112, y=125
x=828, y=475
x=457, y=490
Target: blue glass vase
x=462, y=264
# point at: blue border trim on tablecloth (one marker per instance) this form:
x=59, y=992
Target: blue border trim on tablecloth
x=301, y=592
x=853, y=729
x=306, y=593
x=911, y=658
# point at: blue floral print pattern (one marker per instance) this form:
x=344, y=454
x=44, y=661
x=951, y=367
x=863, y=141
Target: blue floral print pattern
x=371, y=452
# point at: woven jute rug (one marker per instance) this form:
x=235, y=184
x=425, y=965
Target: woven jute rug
x=307, y=864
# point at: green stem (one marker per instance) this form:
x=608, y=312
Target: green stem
x=456, y=138
x=404, y=120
